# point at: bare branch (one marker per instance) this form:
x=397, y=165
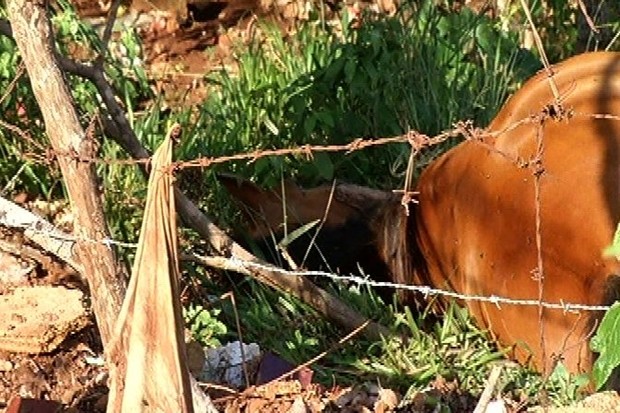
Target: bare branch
x=107, y=33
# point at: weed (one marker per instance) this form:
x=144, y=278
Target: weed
x=204, y=325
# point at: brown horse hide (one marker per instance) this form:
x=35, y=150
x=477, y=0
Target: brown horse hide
x=474, y=228
x=343, y=237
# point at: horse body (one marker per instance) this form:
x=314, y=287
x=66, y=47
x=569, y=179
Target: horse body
x=474, y=228
x=476, y=221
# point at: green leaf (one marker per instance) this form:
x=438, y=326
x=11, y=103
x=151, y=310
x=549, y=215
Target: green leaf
x=333, y=71
x=286, y=241
x=487, y=37
x=324, y=165
x=326, y=118
x=298, y=103
x=560, y=373
x=349, y=69
x=606, y=342
x=309, y=125
x=614, y=249
x=261, y=165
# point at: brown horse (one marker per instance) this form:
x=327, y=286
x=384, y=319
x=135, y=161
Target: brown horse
x=524, y=211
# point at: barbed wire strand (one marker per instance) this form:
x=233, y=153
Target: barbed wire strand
x=417, y=141
x=234, y=262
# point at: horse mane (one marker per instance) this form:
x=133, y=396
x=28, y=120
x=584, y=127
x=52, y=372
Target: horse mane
x=397, y=245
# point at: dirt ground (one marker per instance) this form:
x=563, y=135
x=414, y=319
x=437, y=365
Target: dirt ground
x=61, y=359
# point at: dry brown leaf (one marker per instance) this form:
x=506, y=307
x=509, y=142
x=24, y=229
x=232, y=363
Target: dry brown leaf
x=147, y=355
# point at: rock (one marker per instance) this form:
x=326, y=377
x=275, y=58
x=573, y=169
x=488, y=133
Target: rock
x=37, y=319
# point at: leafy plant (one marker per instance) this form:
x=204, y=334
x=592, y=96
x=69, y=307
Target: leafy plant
x=204, y=325
x=606, y=342
x=422, y=69
x=565, y=387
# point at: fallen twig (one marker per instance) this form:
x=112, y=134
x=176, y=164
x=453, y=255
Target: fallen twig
x=489, y=388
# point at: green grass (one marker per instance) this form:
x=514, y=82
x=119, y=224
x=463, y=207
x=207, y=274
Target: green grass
x=422, y=70
x=450, y=347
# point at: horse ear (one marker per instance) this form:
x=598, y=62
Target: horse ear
x=261, y=208
x=244, y=191
x=333, y=205
x=265, y=209
x=362, y=198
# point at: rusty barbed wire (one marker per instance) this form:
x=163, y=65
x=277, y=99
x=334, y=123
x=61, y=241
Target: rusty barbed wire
x=417, y=141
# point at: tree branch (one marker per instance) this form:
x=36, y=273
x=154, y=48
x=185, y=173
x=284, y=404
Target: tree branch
x=107, y=33
x=118, y=128
x=104, y=274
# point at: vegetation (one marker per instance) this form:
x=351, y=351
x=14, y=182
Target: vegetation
x=425, y=68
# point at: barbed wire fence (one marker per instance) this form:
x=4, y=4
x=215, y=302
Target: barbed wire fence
x=237, y=263
x=417, y=141
x=464, y=130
